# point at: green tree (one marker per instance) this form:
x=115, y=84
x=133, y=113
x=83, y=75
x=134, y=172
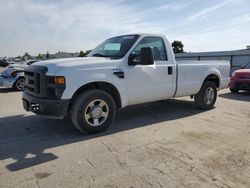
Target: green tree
x=177, y=47
x=82, y=54
x=47, y=55
x=39, y=56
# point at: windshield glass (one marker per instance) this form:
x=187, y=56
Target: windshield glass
x=115, y=47
x=23, y=63
x=30, y=62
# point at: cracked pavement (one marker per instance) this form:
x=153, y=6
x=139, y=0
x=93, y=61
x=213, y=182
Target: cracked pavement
x=161, y=144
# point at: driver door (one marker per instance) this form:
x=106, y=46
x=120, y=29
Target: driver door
x=150, y=82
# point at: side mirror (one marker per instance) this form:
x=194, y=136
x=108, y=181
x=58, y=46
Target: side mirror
x=132, y=60
x=147, y=56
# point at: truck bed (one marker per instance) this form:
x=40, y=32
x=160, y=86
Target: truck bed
x=192, y=73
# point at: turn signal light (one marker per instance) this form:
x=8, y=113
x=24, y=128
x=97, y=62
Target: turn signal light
x=59, y=80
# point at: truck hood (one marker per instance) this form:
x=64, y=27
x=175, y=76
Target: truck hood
x=243, y=71
x=57, y=65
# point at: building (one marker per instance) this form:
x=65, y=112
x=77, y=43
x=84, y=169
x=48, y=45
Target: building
x=237, y=58
x=65, y=55
x=58, y=55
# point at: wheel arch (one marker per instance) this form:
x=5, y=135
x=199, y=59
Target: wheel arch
x=20, y=77
x=105, y=86
x=213, y=78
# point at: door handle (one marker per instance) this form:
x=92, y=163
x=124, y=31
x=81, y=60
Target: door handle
x=170, y=70
x=119, y=73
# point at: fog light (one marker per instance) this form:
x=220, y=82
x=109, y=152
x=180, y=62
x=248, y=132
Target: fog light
x=35, y=107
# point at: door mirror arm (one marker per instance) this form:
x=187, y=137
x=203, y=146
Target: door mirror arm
x=132, y=61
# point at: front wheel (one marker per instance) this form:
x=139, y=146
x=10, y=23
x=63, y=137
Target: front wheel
x=93, y=111
x=207, y=96
x=20, y=84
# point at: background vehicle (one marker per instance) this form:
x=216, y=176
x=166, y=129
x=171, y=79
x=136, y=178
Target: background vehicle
x=22, y=64
x=13, y=76
x=240, y=79
x=4, y=63
x=122, y=71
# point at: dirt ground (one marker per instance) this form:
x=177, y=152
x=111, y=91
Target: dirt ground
x=162, y=144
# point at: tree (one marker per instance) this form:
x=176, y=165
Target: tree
x=26, y=56
x=177, y=47
x=82, y=54
x=39, y=56
x=47, y=55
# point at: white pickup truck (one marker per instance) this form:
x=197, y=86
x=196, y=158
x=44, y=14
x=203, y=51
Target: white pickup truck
x=121, y=71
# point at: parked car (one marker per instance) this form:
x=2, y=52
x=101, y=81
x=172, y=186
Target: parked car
x=13, y=76
x=22, y=64
x=4, y=63
x=121, y=71
x=240, y=79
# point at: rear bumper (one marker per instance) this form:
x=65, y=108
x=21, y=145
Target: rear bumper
x=47, y=107
x=7, y=82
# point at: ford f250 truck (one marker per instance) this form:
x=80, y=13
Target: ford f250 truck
x=121, y=71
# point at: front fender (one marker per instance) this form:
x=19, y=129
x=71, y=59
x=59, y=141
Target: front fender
x=74, y=82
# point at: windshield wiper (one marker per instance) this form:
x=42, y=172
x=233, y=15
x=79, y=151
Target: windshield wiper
x=99, y=55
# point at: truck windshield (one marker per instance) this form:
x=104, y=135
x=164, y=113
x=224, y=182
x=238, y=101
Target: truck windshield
x=115, y=47
x=246, y=66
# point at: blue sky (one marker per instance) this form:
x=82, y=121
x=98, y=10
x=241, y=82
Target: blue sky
x=38, y=26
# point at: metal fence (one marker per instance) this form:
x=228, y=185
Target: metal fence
x=236, y=59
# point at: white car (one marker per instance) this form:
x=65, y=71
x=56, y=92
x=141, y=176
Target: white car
x=13, y=76
x=121, y=71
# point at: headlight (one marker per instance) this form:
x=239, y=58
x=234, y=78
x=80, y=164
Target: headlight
x=56, y=80
x=55, y=86
x=59, y=80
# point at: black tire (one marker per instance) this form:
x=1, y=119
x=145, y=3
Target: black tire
x=233, y=90
x=200, y=98
x=81, y=105
x=17, y=85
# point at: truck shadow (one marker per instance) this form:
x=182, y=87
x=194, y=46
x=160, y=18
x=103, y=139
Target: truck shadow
x=7, y=90
x=25, y=139
x=241, y=96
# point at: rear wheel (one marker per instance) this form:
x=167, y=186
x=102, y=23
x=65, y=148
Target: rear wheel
x=20, y=84
x=93, y=111
x=207, y=96
x=233, y=90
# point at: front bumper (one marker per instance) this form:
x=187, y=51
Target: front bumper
x=240, y=85
x=7, y=82
x=48, y=107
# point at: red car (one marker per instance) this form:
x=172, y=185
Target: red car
x=240, y=79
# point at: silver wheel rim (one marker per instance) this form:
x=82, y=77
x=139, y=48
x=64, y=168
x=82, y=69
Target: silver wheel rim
x=96, y=112
x=209, y=95
x=20, y=84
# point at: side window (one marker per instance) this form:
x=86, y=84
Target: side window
x=158, y=47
